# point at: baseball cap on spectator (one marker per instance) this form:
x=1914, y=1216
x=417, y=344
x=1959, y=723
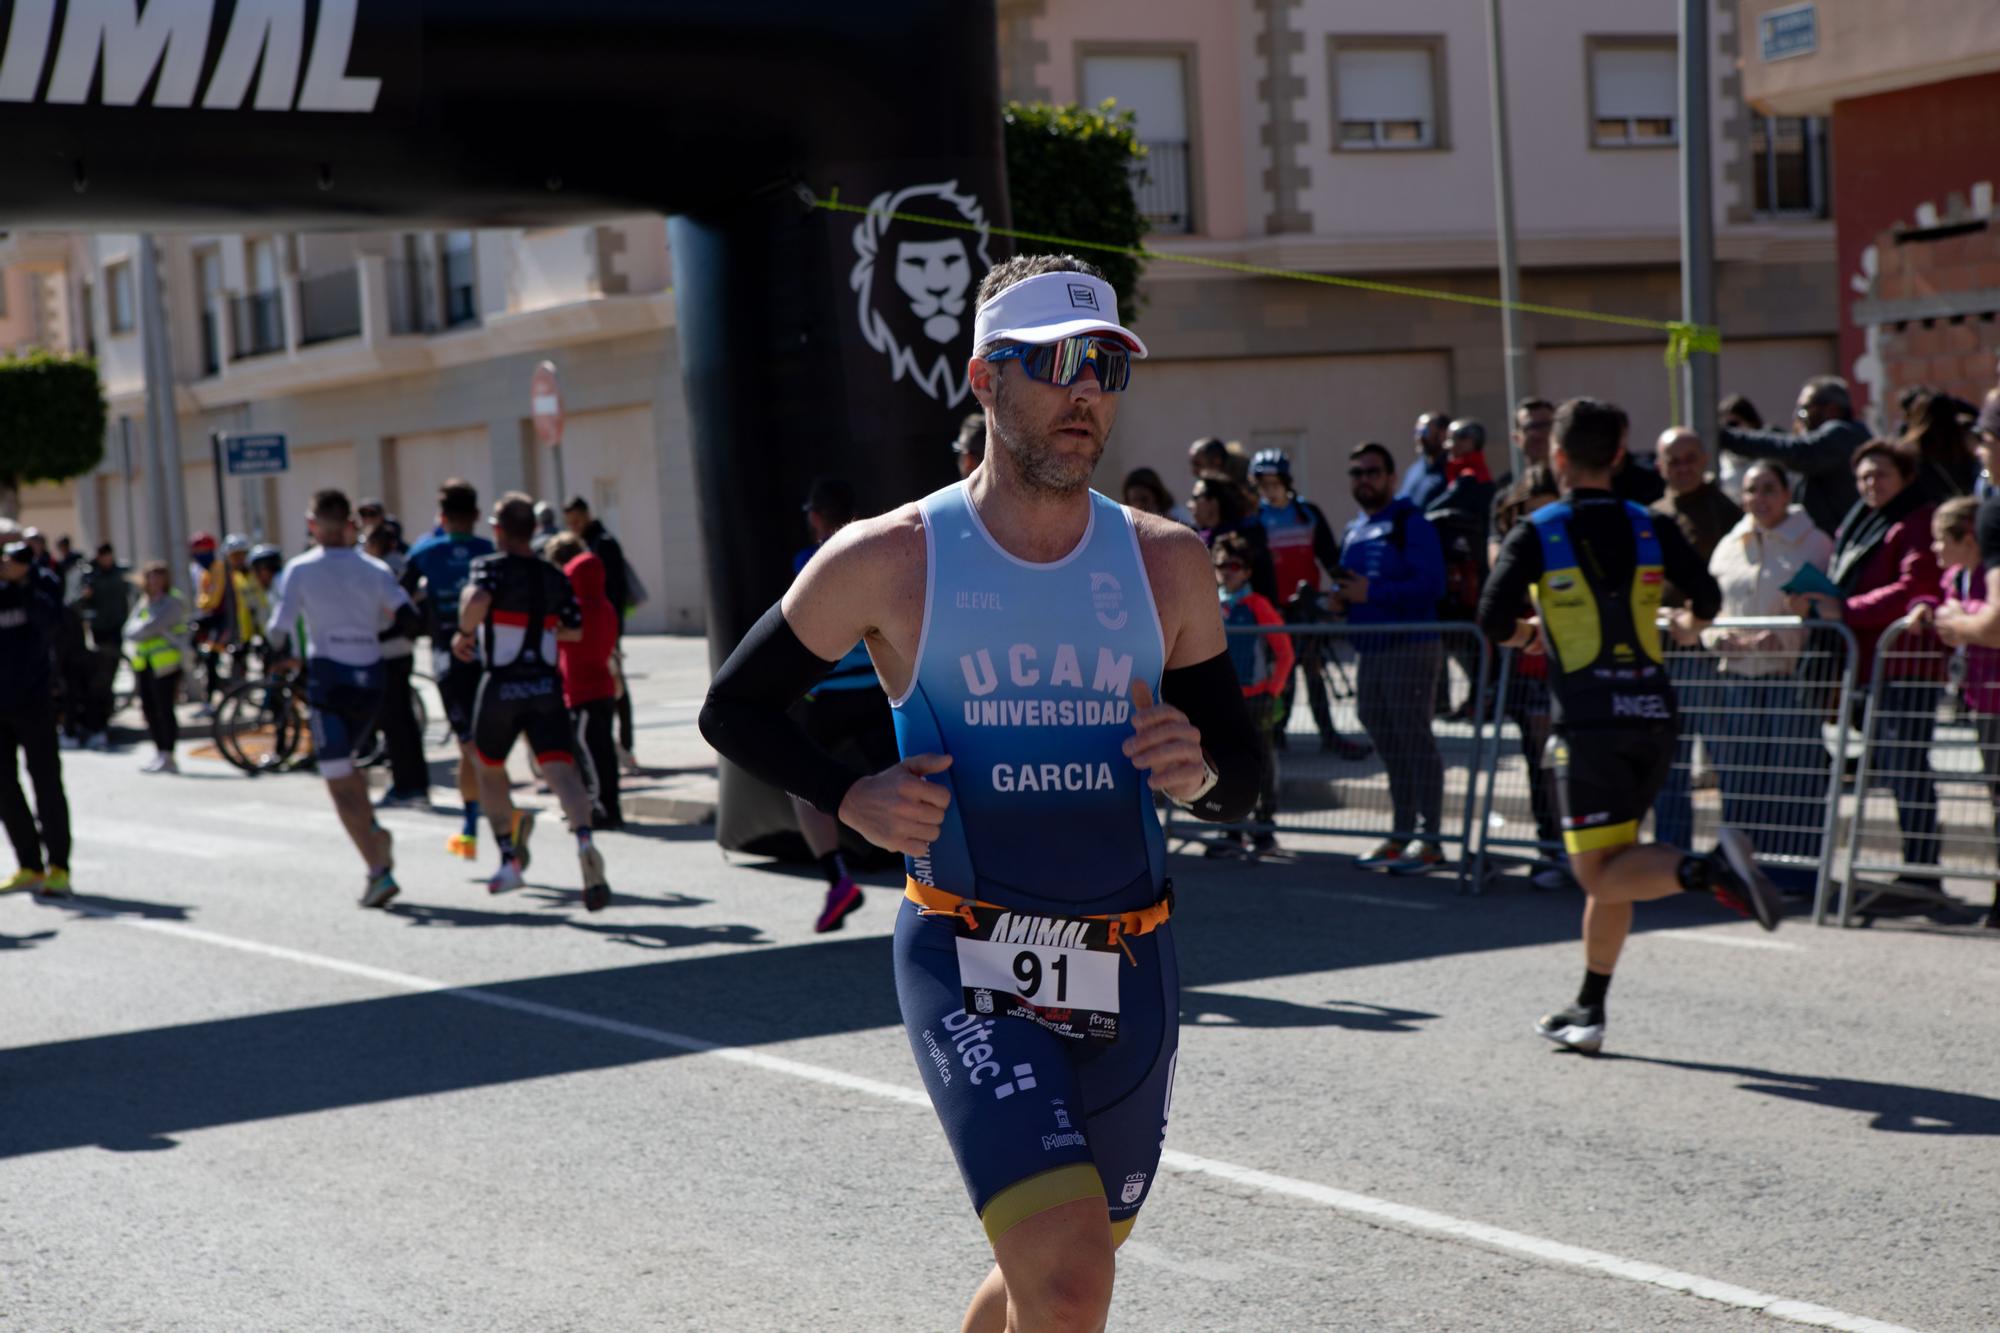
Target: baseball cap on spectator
x=202, y=541
x=1050, y=307
x=832, y=498
x=235, y=542
x=971, y=439
x=370, y=508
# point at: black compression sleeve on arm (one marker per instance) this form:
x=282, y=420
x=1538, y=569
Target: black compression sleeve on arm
x=1208, y=693
x=744, y=717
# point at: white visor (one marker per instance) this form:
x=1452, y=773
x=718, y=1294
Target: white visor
x=1050, y=307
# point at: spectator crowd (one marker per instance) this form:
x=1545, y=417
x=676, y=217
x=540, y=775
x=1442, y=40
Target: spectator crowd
x=1821, y=519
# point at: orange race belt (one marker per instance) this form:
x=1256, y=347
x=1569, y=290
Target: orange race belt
x=937, y=902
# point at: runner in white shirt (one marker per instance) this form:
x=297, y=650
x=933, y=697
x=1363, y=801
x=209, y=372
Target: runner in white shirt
x=343, y=596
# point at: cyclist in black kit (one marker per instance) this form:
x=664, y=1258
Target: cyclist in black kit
x=515, y=609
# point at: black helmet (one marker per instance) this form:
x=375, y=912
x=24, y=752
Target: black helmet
x=1271, y=463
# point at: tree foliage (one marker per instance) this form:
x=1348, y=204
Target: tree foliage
x=1069, y=175
x=51, y=418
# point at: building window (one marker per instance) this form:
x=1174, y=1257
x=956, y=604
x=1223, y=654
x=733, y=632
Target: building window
x=1634, y=92
x=1788, y=159
x=1386, y=93
x=461, y=295
x=118, y=296
x=1154, y=89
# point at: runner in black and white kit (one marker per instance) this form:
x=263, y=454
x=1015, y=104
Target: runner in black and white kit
x=516, y=608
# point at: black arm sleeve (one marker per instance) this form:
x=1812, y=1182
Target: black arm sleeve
x=1514, y=572
x=1687, y=571
x=1213, y=701
x=745, y=719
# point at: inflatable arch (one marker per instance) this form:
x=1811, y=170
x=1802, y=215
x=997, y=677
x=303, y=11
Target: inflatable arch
x=812, y=342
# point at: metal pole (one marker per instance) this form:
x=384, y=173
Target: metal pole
x=131, y=543
x=562, y=493
x=221, y=500
x=1697, y=215
x=1518, y=357
x=160, y=407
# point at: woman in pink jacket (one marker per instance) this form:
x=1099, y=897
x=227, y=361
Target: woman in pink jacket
x=1975, y=669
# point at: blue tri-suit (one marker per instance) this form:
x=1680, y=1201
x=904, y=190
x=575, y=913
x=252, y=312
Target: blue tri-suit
x=1023, y=677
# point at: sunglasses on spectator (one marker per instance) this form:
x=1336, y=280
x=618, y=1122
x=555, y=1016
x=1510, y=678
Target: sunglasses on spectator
x=1359, y=472
x=1226, y=565
x=1060, y=362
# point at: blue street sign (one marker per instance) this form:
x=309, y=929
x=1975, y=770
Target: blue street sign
x=1792, y=31
x=255, y=455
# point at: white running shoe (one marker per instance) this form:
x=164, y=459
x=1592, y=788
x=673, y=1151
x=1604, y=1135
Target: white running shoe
x=506, y=879
x=1573, y=1027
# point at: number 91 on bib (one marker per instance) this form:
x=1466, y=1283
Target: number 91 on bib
x=1060, y=972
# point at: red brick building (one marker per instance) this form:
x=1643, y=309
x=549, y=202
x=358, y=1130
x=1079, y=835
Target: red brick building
x=1910, y=95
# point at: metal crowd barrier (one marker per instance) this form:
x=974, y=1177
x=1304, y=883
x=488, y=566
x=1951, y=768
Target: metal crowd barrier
x=1422, y=778
x=1761, y=700
x=1927, y=796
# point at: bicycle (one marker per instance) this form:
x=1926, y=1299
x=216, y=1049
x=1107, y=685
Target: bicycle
x=264, y=725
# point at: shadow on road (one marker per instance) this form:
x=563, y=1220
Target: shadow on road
x=1895, y=1107
x=1209, y=1009
x=90, y=904
x=134, y=1090
x=25, y=941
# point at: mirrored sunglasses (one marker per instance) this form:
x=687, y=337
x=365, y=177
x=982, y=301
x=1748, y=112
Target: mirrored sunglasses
x=1060, y=362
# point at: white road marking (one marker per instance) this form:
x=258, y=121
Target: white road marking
x=1731, y=941
x=1382, y=1212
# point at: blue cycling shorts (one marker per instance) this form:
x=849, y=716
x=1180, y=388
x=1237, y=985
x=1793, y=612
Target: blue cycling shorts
x=344, y=702
x=1035, y=1119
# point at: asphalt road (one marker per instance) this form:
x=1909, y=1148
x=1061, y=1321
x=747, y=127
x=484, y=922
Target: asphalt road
x=231, y=1099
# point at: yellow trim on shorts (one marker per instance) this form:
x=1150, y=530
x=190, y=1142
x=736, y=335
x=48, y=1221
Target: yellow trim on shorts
x=1121, y=1229
x=1597, y=839
x=1039, y=1193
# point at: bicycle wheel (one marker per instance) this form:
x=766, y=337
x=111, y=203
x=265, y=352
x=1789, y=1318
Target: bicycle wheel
x=259, y=725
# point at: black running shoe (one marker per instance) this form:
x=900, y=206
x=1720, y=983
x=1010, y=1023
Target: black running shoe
x=1741, y=884
x=1575, y=1028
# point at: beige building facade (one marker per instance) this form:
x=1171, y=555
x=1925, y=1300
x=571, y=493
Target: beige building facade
x=1318, y=137
x=1331, y=138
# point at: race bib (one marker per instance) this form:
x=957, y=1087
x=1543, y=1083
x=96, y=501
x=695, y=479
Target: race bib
x=1058, y=971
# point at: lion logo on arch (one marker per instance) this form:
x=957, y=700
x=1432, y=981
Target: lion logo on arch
x=913, y=283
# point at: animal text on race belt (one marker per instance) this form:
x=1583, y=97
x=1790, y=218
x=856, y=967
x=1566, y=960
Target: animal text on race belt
x=1060, y=972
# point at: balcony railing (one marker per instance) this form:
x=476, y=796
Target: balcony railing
x=258, y=322
x=461, y=301
x=330, y=307
x=1160, y=185
x=211, y=345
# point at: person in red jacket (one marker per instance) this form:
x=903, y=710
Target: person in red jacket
x=1263, y=664
x=1883, y=566
x=590, y=690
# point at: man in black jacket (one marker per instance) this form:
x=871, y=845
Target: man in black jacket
x=1819, y=451
x=617, y=587
x=30, y=610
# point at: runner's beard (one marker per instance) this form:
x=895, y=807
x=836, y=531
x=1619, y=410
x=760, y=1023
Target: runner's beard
x=1038, y=457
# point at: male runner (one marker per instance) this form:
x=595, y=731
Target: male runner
x=514, y=610
x=342, y=596
x=436, y=575
x=1595, y=566
x=1020, y=624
